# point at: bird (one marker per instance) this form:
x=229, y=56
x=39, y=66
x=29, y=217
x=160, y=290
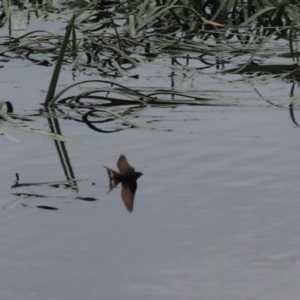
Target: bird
x=128, y=177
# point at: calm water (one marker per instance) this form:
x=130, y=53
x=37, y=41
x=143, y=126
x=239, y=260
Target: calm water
x=216, y=213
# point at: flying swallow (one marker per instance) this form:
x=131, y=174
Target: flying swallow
x=127, y=177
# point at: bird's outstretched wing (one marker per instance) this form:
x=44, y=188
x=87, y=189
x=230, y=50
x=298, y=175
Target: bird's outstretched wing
x=128, y=192
x=123, y=164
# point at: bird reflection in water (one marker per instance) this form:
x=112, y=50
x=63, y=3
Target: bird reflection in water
x=127, y=177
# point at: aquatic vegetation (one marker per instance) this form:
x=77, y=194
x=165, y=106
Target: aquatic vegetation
x=179, y=43
x=126, y=57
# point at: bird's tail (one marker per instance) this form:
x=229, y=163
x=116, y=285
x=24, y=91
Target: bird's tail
x=113, y=182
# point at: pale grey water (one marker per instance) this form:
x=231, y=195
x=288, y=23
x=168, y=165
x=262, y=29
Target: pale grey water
x=216, y=215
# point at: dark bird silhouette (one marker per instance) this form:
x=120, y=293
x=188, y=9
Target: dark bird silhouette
x=127, y=177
